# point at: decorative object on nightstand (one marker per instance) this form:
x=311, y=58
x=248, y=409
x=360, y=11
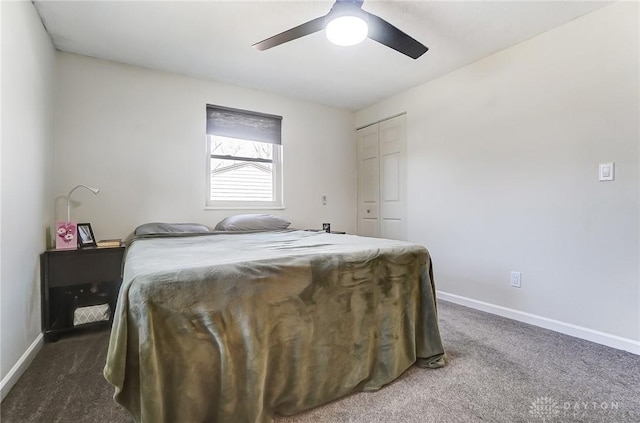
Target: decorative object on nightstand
x=66, y=233
x=66, y=238
x=85, y=235
x=79, y=288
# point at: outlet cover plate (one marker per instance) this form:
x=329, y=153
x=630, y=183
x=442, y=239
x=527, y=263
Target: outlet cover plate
x=606, y=171
x=515, y=279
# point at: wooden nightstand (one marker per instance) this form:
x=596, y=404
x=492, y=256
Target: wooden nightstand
x=75, y=278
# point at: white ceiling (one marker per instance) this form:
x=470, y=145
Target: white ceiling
x=212, y=40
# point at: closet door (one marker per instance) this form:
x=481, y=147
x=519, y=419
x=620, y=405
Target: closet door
x=393, y=179
x=368, y=181
x=382, y=180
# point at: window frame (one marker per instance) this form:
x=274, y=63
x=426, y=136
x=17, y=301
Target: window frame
x=277, y=182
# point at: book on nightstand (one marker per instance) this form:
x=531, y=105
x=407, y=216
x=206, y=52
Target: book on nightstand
x=109, y=243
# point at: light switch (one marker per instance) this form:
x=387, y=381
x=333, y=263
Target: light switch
x=606, y=171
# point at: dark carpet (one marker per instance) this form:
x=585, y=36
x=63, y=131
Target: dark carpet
x=498, y=370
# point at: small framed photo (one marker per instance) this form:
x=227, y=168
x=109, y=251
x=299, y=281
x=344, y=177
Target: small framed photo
x=85, y=235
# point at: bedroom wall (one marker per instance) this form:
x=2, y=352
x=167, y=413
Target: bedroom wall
x=26, y=187
x=139, y=136
x=503, y=176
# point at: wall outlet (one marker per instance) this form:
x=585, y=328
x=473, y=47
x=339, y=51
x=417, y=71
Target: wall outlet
x=324, y=200
x=515, y=279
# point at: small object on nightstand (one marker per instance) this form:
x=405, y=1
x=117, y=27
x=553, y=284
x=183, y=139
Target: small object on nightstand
x=85, y=235
x=66, y=236
x=109, y=243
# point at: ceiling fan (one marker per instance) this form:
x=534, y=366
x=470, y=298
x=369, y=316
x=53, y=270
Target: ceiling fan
x=347, y=24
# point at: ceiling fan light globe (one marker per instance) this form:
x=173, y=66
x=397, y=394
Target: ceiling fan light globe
x=347, y=30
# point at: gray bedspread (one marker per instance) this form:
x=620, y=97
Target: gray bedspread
x=238, y=327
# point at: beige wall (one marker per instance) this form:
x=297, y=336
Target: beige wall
x=139, y=136
x=27, y=202
x=503, y=164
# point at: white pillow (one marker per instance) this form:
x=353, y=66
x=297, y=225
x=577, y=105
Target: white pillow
x=252, y=222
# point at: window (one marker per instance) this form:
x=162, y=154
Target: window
x=244, y=159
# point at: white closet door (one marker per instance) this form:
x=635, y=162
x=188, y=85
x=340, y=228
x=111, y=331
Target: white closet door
x=368, y=181
x=393, y=179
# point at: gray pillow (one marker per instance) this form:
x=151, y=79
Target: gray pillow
x=164, y=228
x=252, y=222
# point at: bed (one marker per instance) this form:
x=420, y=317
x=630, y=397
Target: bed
x=240, y=327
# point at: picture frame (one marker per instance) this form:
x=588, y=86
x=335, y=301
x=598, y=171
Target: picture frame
x=85, y=235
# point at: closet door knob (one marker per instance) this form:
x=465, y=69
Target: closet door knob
x=368, y=211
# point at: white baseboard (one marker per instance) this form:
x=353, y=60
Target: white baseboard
x=18, y=369
x=609, y=340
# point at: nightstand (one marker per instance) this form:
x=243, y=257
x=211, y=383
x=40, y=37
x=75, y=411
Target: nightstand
x=77, y=278
x=322, y=230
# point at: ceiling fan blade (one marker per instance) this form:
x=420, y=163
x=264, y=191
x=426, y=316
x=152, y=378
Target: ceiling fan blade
x=387, y=34
x=306, y=28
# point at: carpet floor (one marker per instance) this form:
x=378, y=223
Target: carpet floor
x=498, y=370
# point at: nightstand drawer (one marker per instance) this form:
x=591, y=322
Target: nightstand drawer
x=99, y=265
